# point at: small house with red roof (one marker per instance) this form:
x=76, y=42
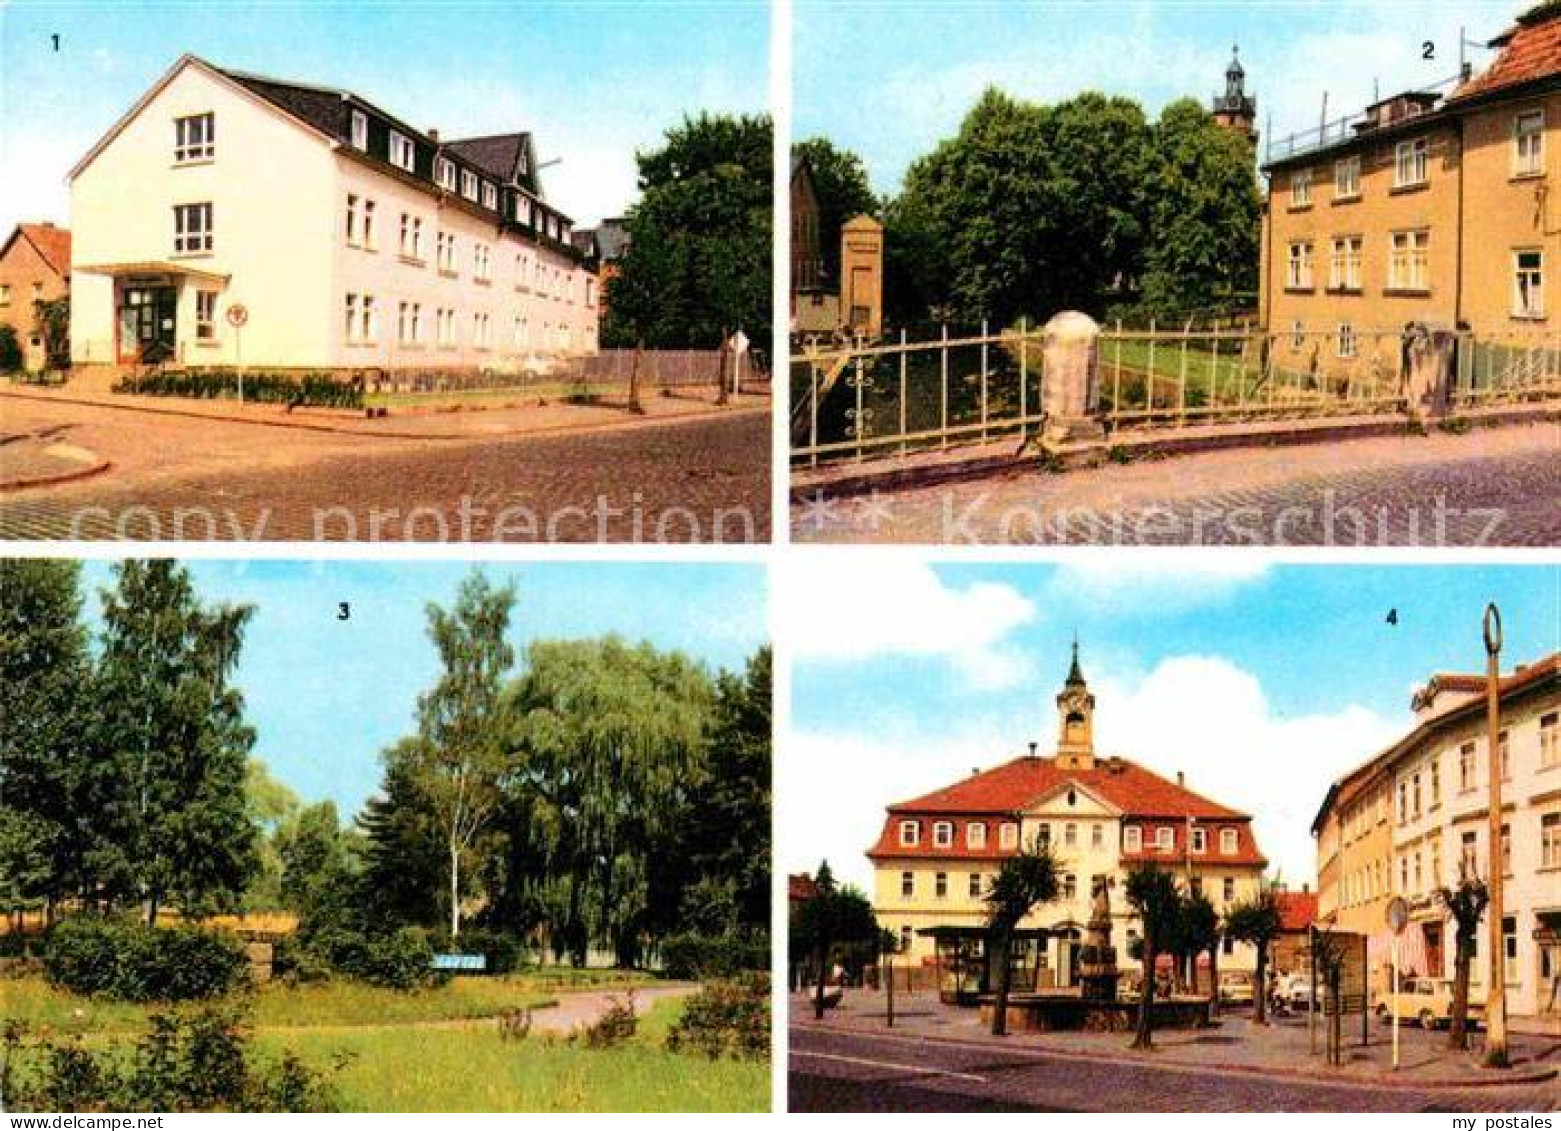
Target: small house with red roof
x=34, y=268
x=936, y=854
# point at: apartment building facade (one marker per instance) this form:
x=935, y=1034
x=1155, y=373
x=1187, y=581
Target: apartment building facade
x=937, y=854
x=346, y=238
x=1419, y=814
x=1423, y=209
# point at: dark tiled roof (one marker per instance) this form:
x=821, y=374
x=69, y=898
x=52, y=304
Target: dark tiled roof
x=321, y=107
x=1529, y=52
x=497, y=155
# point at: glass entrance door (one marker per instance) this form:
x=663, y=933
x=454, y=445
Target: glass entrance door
x=147, y=324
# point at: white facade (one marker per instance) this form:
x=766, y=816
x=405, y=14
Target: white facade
x=278, y=225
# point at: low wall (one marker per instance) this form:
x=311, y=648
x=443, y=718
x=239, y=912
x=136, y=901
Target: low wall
x=1030, y=1013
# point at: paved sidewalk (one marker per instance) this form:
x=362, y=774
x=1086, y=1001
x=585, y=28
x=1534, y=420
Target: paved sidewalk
x=1237, y=1046
x=584, y=1007
x=43, y=458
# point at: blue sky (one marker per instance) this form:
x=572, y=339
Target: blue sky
x=592, y=80
x=889, y=80
x=326, y=696
x=1262, y=684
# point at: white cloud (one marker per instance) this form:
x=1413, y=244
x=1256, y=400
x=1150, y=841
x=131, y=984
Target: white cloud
x=896, y=607
x=1202, y=715
x=1128, y=584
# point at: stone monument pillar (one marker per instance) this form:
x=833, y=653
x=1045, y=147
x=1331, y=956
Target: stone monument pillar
x=1428, y=371
x=1070, y=387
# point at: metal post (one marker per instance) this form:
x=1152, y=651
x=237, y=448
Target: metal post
x=984, y=333
x=1496, y=1001
x=1395, y=1001
x=1116, y=373
x=1181, y=384
x=860, y=421
x=943, y=407
x=813, y=380
x=1024, y=379
x=1149, y=387
x=903, y=398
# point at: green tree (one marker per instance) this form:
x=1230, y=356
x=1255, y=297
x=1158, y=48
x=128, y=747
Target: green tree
x=1152, y=894
x=45, y=828
x=1201, y=254
x=318, y=868
x=10, y=349
x=459, y=758
x=1197, y=932
x=833, y=917
x=403, y=876
x=1258, y=923
x=273, y=807
x=606, y=738
x=51, y=321
x=170, y=729
x=698, y=264
x=1466, y=903
x=840, y=182
x=1027, y=880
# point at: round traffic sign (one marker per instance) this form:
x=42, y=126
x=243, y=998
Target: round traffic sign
x=238, y=314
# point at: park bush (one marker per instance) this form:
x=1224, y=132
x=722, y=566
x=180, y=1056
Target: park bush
x=10, y=349
x=400, y=960
x=295, y=390
x=714, y=956
x=729, y=1018
x=504, y=952
x=201, y=1062
x=616, y=1026
x=134, y=962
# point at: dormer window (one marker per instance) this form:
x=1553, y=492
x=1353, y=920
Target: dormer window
x=360, y=130
x=523, y=209
x=195, y=138
x=468, y=184
x=910, y=834
x=490, y=196
x=444, y=173
x=1008, y=836
x=1200, y=840
x=522, y=164
x=1227, y=842
x=1132, y=839
x=975, y=835
x=943, y=834
x=1301, y=188
x=1164, y=838
x=402, y=153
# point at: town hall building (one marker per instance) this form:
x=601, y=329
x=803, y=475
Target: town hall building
x=229, y=219
x=937, y=854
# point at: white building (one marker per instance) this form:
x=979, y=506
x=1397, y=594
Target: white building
x=351, y=239
x=1440, y=807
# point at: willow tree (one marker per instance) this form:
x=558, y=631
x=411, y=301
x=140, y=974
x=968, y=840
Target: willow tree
x=607, y=737
x=459, y=756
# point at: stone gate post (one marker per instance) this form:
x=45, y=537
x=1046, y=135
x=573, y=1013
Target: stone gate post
x=1070, y=387
x=1428, y=372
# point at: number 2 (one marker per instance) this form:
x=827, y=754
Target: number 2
x=1428, y=50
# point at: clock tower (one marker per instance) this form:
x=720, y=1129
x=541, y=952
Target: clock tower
x=1076, y=719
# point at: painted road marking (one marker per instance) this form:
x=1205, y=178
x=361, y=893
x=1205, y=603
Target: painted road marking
x=916, y=1068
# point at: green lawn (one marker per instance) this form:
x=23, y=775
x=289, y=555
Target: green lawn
x=380, y=1052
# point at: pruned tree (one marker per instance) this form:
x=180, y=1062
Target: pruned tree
x=460, y=756
x=1466, y=903
x=1027, y=880
x=1152, y=894
x=1257, y=922
x=832, y=917
x=1197, y=932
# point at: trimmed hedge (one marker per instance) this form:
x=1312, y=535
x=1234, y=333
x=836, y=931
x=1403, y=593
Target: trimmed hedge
x=134, y=962
x=714, y=956
x=294, y=390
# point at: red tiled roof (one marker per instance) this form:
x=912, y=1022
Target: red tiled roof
x=1297, y=909
x=998, y=795
x=800, y=886
x=1529, y=51
x=52, y=243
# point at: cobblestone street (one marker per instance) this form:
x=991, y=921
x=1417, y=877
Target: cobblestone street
x=177, y=478
x=1492, y=487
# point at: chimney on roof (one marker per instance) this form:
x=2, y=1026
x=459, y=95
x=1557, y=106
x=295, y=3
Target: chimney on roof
x=974, y=770
x=1033, y=745
x=1181, y=779
x=433, y=136
x=1306, y=888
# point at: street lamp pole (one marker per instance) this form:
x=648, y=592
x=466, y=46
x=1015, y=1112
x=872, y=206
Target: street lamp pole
x=1496, y=1000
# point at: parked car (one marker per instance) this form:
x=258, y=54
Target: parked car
x=1235, y=988
x=1426, y=1001
x=1296, y=990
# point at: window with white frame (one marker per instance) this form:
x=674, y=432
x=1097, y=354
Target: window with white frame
x=910, y=834
x=360, y=130
x=973, y=888
x=1097, y=835
x=480, y=330
x=520, y=333
x=940, y=885
x=1164, y=838
x=1228, y=840
x=1300, y=188
x=490, y=196
x=1346, y=178
x=1228, y=889
x=411, y=236
x=1550, y=840
x=1344, y=264
x=523, y=209
x=1070, y=834
x=942, y=834
x=409, y=324
x=975, y=834
x=444, y=328
x=1200, y=840
x=468, y=184
x=444, y=173
x=1008, y=835
x=368, y=225
x=1409, y=261
x=192, y=228
x=1132, y=839
x=1347, y=346
x=1549, y=747
x=403, y=154
x=1528, y=283
x=195, y=138
x=907, y=884
x=350, y=319
x=1528, y=144
x=352, y=220
x=1298, y=266
x=1467, y=766
x=481, y=261
x=590, y=292
x=1411, y=163
x=205, y=315
x=444, y=252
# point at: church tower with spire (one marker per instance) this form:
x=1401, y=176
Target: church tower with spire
x=1236, y=110
x=1076, y=720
